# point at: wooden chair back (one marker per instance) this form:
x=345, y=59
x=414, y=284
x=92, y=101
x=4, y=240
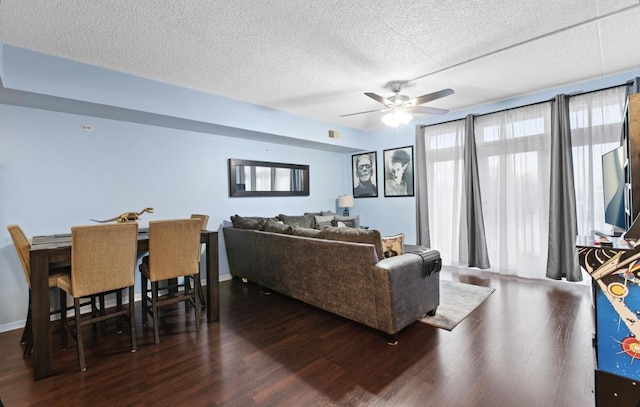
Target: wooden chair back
x=22, y=246
x=174, y=248
x=204, y=219
x=103, y=258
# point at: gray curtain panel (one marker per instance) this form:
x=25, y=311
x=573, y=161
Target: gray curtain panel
x=422, y=201
x=478, y=255
x=562, y=261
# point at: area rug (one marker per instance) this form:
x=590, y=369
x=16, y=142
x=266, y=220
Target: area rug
x=457, y=301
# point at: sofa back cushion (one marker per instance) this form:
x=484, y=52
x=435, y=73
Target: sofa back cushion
x=305, y=221
x=277, y=227
x=323, y=220
x=370, y=236
x=307, y=232
x=250, y=222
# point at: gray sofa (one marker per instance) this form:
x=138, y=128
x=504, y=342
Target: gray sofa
x=343, y=277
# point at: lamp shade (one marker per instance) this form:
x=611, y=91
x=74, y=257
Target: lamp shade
x=345, y=201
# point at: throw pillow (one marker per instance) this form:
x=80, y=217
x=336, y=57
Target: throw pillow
x=277, y=227
x=370, y=236
x=322, y=221
x=305, y=221
x=313, y=217
x=327, y=213
x=248, y=223
x=344, y=223
x=393, y=245
x=355, y=220
x=307, y=232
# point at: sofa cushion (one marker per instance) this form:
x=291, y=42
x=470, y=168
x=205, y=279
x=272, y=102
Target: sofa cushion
x=393, y=245
x=353, y=235
x=313, y=217
x=241, y=222
x=305, y=221
x=322, y=221
x=307, y=232
x=277, y=227
x=351, y=221
x=343, y=223
x=327, y=213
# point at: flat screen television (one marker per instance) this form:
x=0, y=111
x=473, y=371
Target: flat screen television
x=613, y=186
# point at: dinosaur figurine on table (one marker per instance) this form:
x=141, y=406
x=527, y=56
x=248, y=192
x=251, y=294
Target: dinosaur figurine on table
x=126, y=217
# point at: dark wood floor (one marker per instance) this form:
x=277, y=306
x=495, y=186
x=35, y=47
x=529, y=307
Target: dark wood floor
x=528, y=344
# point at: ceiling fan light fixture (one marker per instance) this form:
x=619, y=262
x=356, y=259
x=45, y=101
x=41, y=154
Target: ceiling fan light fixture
x=396, y=117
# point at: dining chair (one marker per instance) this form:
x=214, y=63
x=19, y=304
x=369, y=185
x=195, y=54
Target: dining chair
x=174, y=251
x=103, y=260
x=204, y=219
x=23, y=246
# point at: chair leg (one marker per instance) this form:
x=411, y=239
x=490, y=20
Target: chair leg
x=27, y=325
x=132, y=318
x=154, y=306
x=119, y=308
x=187, y=288
x=76, y=306
x=203, y=303
x=28, y=345
x=196, y=296
x=63, y=320
x=103, y=311
x=145, y=305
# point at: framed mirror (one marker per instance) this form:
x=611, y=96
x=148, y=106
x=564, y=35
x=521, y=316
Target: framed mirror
x=261, y=178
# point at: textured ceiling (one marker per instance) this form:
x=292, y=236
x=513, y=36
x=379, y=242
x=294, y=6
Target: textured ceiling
x=317, y=58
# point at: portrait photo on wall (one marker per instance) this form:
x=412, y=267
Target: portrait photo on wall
x=364, y=175
x=398, y=171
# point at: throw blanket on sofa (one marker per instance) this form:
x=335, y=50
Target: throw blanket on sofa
x=431, y=261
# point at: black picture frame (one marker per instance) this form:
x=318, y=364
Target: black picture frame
x=398, y=161
x=361, y=165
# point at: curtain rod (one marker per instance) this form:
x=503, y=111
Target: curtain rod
x=627, y=83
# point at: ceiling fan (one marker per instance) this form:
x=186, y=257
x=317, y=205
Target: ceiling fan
x=401, y=106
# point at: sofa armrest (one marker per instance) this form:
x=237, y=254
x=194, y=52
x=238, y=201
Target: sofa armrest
x=411, y=294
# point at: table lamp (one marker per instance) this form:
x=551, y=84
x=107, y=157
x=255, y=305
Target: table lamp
x=346, y=202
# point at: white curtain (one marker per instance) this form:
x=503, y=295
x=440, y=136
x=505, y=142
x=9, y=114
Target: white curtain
x=444, y=159
x=596, y=128
x=513, y=148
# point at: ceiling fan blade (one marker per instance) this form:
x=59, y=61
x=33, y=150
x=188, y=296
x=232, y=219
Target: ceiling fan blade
x=427, y=110
x=378, y=98
x=368, y=111
x=431, y=96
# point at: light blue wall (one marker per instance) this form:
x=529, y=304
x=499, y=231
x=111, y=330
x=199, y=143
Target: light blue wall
x=54, y=174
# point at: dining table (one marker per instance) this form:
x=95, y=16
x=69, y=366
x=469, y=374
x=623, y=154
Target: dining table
x=49, y=249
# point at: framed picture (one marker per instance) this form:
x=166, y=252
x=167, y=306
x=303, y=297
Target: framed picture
x=398, y=171
x=364, y=175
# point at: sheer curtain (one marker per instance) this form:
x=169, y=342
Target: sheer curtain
x=441, y=154
x=513, y=150
x=596, y=128
x=513, y=159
